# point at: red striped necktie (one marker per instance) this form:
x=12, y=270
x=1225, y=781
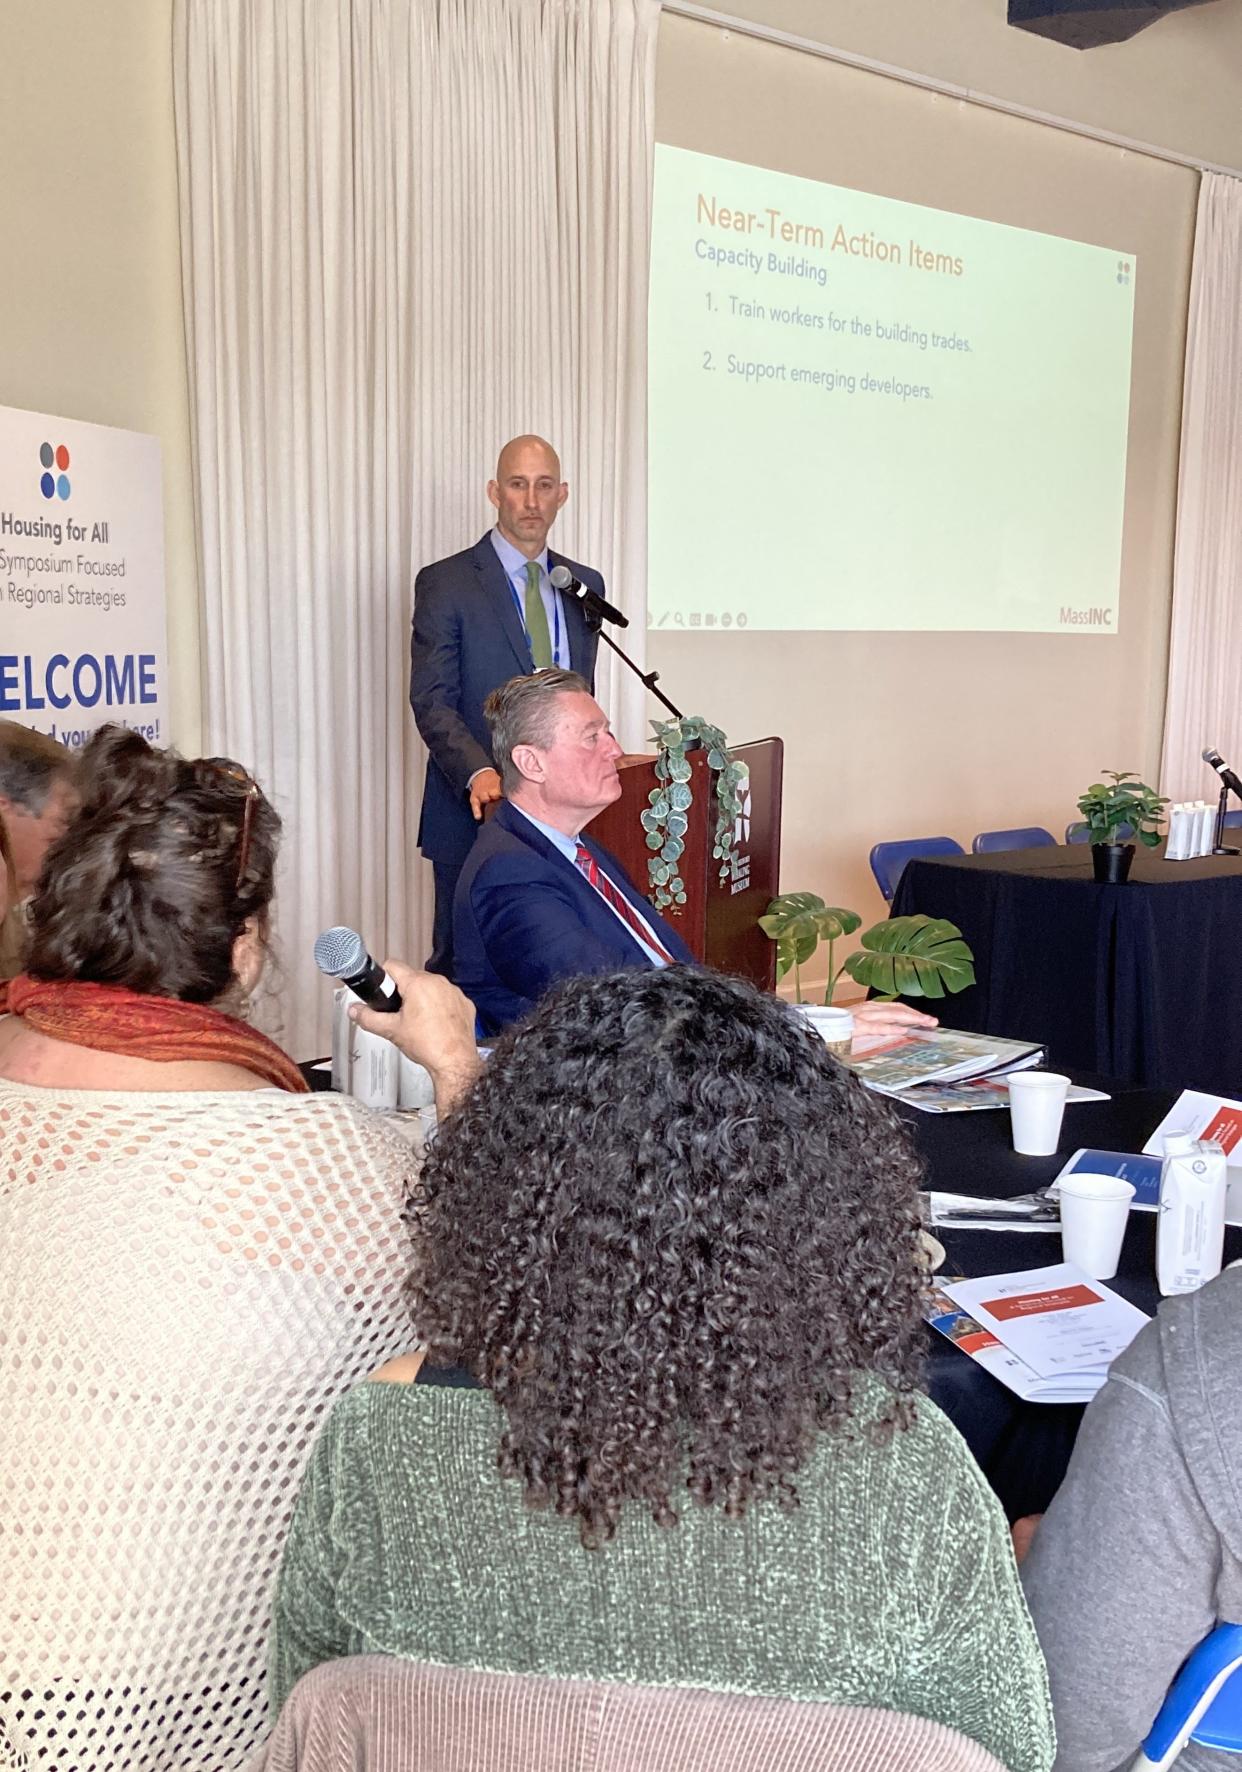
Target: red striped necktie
x=624, y=909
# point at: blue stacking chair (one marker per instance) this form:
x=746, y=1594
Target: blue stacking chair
x=1233, y=820
x=888, y=860
x=1080, y=833
x=1029, y=836
x=1204, y=1703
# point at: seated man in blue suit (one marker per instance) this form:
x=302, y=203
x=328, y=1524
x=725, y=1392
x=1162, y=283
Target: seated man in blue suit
x=537, y=902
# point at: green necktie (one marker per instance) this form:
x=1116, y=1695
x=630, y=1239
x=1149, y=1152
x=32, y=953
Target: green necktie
x=537, y=618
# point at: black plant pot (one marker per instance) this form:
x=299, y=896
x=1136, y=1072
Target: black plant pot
x=1111, y=862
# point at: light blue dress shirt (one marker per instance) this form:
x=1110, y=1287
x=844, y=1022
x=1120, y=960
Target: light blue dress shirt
x=515, y=564
x=568, y=847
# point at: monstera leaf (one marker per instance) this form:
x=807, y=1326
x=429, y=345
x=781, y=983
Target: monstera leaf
x=913, y=957
x=797, y=922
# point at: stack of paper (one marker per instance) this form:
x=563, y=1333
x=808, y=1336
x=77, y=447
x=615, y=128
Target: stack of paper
x=1049, y=1333
x=895, y=1063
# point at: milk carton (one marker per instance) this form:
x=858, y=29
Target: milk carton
x=1190, y=1229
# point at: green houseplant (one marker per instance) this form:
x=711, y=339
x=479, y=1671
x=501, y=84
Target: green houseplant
x=1114, y=809
x=902, y=956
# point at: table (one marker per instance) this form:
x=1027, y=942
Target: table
x=1141, y=981
x=1024, y=1448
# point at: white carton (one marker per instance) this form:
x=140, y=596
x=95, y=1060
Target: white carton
x=1190, y=1229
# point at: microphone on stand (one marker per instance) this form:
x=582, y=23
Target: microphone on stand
x=341, y=953
x=562, y=579
x=1222, y=769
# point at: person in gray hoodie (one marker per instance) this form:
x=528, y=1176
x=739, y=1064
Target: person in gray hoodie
x=1140, y=1554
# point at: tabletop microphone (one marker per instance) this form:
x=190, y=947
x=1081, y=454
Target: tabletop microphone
x=341, y=954
x=1222, y=769
x=562, y=579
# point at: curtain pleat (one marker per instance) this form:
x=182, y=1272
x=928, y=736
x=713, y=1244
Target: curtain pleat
x=410, y=230
x=1204, y=705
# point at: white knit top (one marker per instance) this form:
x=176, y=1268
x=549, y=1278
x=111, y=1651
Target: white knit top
x=188, y=1283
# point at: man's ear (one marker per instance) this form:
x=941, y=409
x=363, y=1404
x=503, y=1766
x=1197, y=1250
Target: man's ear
x=493, y=493
x=562, y=495
x=528, y=762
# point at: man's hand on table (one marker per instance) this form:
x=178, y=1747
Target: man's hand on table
x=883, y=1018
x=434, y=1026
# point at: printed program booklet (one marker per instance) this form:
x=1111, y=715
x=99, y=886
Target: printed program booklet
x=896, y=1063
x=1050, y=1334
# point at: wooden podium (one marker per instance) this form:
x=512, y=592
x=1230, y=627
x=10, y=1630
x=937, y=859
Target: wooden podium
x=719, y=922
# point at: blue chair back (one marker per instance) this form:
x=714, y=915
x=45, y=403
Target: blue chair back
x=1204, y=1703
x=1081, y=833
x=888, y=860
x=1028, y=836
x=1233, y=820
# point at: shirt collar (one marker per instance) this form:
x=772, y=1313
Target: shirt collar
x=512, y=560
x=568, y=846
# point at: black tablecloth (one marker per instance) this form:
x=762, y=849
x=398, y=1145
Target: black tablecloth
x=1023, y=1448
x=1141, y=981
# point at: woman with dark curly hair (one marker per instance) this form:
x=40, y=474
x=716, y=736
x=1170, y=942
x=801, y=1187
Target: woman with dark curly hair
x=668, y=1281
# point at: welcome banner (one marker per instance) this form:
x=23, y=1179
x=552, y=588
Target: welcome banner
x=83, y=637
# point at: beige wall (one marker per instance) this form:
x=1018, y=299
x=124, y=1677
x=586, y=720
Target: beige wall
x=1178, y=84
x=892, y=735
x=90, y=300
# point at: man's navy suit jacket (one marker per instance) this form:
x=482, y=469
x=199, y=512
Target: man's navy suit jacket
x=467, y=640
x=525, y=917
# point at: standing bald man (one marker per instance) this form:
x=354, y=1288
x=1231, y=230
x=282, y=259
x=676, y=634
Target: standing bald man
x=481, y=617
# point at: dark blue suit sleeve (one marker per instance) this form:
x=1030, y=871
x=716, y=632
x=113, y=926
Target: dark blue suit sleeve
x=532, y=931
x=435, y=681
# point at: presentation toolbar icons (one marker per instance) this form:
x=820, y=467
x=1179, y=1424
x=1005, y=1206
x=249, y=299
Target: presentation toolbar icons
x=698, y=618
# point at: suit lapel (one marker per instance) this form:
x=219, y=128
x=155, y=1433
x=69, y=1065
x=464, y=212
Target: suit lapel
x=498, y=600
x=598, y=914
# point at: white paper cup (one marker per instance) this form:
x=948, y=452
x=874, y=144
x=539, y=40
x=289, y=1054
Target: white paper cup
x=1094, y=1212
x=834, y=1026
x=1036, y=1104
x=415, y=1088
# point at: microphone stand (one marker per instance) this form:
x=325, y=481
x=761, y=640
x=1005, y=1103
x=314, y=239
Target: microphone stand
x=1218, y=836
x=649, y=679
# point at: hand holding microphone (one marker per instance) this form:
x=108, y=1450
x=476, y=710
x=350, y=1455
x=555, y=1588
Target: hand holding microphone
x=425, y=1016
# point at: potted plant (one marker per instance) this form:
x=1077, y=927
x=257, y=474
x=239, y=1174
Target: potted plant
x=902, y=956
x=1114, y=810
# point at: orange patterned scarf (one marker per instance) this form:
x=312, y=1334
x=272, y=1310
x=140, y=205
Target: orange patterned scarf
x=110, y=1018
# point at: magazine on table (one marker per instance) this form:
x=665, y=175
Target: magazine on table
x=1049, y=1333
x=895, y=1063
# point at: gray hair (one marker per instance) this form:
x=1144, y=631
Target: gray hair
x=31, y=764
x=523, y=711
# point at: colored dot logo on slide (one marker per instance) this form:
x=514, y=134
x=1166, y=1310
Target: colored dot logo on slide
x=1123, y=271
x=54, y=485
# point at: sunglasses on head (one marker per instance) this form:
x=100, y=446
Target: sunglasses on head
x=234, y=773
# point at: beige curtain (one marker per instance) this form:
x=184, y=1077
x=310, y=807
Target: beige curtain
x=410, y=229
x=1204, y=704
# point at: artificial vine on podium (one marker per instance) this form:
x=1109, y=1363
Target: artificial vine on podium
x=667, y=818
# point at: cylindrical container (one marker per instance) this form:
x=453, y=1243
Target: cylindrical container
x=1036, y=1104
x=415, y=1088
x=342, y=1028
x=834, y=1026
x=1094, y=1213
x=1190, y=1226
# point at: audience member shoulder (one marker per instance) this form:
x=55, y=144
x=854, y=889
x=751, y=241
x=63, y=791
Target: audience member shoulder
x=403, y=1370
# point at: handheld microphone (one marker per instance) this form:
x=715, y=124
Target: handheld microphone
x=1222, y=769
x=562, y=579
x=340, y=953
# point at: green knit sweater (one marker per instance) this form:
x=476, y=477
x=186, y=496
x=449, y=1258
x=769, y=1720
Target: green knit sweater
x=893, y=1583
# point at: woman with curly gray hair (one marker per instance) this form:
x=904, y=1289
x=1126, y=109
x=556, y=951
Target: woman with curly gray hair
x=666, y=1426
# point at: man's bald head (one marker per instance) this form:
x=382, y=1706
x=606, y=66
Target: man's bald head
x=527, y=492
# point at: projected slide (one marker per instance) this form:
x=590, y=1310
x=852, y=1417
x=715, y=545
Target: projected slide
x=865, y=414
